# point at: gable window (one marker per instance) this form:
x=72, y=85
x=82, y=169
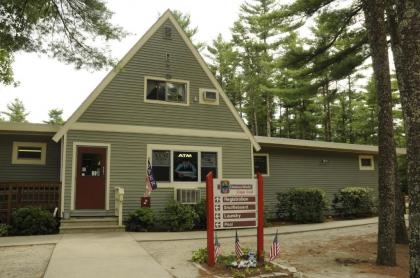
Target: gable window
x=169, y=91
x=366, y=162
x=261, y=164
x=29, y=153
x=184, y=164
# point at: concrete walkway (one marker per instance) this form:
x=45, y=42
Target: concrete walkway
x=286, y=229
x=102, y=255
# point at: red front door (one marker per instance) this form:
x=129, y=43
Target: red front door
x=91, y=178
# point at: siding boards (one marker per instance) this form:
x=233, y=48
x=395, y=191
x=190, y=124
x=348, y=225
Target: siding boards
x=26, y=172
x=128, y=162
x=292, y=168
x=122, y=101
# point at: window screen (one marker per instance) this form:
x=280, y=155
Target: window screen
x=161, y=164
x=208, y=163
x=366, y=162
x=185, y=166
x=24, y=152
x=166, y=91
x=261, y=164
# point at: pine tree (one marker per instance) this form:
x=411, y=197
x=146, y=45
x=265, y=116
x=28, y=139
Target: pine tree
x=252, y=35
x=55, y=117
x=184, y=20
x=225, y=66
x=16, y=112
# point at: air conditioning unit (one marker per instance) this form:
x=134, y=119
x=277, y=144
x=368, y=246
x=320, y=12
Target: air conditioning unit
x=210, y=96
x=188, y=196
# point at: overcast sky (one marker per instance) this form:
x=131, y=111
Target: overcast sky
x=47, y=84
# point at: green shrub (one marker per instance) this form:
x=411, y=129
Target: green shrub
x=178, y=217
x=201, y=211
x=306, y=205
x=141, y=220
x=4, y=230
x=33, y=221
x=353, y=202
x=200, y=256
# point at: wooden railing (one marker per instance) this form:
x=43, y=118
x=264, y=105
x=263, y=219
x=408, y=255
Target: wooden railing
x=14, y=195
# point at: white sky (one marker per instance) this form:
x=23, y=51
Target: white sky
x=47, y=83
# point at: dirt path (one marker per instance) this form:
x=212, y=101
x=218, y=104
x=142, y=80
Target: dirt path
x=344, y=252
x=24, y=261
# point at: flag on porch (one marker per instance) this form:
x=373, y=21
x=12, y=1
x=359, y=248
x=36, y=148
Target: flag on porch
x=238, y=249
x=217, y=248
x=151, y=184
x=275, y=248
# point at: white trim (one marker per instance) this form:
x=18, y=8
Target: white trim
x=9, y=126
x=268, y=162
x=63, y=170
x=102, y=85
x=321, y=145
x=29, y=161
x=146, y=100
x=368, y=168
x=201, y=99
x=74, y=170
x=199, y=149
x=158, y=130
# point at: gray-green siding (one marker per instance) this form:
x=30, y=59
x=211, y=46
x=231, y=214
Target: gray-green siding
x=128, y=162
x=122, y=101
x=24, y=172
x=291, y=168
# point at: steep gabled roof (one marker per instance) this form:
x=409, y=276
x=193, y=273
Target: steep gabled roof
x=108, y=78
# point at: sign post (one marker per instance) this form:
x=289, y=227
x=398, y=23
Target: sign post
x=234, y=204
x=210, y=220
x=260, y=228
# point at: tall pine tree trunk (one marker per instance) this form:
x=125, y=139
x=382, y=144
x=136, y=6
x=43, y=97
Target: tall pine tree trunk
x=268, y=118
x=375, y=24
x=408, y=18
x=400, y=227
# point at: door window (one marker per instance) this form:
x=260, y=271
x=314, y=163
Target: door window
x=91, y=165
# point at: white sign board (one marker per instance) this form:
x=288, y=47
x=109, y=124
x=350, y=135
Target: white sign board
x=235, y=203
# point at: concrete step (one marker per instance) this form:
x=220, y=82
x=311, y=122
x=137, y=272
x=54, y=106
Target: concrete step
x=90, y=225
x=89, y=221
x=91, y=229
x=92, y=213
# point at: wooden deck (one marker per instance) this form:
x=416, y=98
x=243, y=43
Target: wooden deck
x=39, y=194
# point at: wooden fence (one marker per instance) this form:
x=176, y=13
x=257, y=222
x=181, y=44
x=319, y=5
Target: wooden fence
x=14, y=195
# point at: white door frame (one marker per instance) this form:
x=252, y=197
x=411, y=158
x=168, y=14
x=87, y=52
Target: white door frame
x=74, y=170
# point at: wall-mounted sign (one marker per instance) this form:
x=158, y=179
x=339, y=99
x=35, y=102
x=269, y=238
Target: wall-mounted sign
x=235, y=203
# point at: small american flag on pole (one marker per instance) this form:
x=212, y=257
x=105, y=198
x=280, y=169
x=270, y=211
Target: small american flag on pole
x=150, y=179
x=238, y=249
x=275, y=248
x=217, y=248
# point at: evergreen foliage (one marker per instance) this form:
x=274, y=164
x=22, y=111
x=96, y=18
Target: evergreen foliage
x=16, y=112
x=55, y=117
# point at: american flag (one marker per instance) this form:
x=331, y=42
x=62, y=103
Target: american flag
x=150, y=179
x=238, y=249
x=217, y=249
x=275, y=248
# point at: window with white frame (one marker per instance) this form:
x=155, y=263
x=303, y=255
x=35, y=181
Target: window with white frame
x=29, y=153
x=170, y=91
x=261, y=164
x=366, y=162
x=177, y=165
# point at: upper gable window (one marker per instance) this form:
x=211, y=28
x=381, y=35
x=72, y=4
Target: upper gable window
x=166, y=91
